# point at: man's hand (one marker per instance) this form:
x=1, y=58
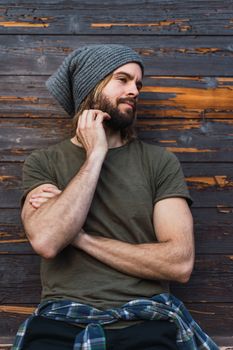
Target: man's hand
x=90, y=131
x=46, y=193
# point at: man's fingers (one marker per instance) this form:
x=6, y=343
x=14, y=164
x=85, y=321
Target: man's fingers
x=45, y=194
x=101, y=117
x=35, y=205
x=82, y=119
x=90, y=117
x=90, y=131
x=37, y=202
x=37, y=199
x=87, y=118
x=42, y=195
x=51, y=189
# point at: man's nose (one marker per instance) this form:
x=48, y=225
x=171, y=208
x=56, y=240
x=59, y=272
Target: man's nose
x=133, y=90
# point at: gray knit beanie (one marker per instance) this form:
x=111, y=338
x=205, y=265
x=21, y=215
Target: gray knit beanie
x=83, y=69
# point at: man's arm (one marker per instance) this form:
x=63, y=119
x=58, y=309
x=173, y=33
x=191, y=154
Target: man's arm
x=54, y=224
x=171, y=258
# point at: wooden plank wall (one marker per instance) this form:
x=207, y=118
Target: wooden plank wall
x=186, y=105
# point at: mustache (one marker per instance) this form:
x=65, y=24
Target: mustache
x=129, y=100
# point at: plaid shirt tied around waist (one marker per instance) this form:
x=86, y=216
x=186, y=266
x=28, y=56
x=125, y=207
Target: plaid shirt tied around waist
x=160, y=307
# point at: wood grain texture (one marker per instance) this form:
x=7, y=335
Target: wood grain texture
x=213, y=231
x=123, y=17
x=167, y=55
x=161, y=97
x=208, y=141
x=192, y=140
x=211, y=185
x=19, y=276
x=185, y=105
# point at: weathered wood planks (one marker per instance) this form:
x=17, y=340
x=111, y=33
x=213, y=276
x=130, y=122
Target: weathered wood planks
x=185, y=105
x=20, y=279
x=192, y=140
x=161, y=97
x=213, y=231
x=214, y=184
x=123, y=17
x=167, y=55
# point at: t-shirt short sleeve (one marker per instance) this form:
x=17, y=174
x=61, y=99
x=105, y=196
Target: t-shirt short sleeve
x=170, y=181
x=36, y=171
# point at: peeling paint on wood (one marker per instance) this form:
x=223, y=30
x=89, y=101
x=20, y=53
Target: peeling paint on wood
x=186, y=105
x=176, y=97
x=6, y=178
x=79, y=17
x=164, y=56
x=23, y=24
x=25, y=310
x=220, y=181
x=17, y=98
x=188, y=150
x=201, y=312
x=167, y=23
x=13, y=241
x=224, y=209
x=193, y=98
x=167, y=141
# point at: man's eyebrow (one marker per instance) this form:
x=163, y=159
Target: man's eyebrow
x=139, y=82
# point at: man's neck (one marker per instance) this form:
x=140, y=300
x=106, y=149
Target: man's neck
x=114, y=138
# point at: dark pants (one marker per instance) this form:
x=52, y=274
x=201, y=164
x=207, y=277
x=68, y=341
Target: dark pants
x=47, y=334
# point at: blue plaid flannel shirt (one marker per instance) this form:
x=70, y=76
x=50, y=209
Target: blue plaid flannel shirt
x=160, y=307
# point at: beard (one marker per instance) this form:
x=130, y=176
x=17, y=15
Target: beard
x=119, y=120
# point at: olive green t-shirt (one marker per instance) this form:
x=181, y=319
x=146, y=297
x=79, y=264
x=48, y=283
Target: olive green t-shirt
x=133, y=178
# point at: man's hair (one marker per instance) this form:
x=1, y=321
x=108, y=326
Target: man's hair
x=127, y=134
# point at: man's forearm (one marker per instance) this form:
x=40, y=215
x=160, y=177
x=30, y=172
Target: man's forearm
x=164, y=261
x=59, y=220
x=53, y=226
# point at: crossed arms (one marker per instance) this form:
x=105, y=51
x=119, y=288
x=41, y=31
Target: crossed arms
x=58, y=221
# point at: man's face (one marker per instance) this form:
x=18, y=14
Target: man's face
x=119, y=97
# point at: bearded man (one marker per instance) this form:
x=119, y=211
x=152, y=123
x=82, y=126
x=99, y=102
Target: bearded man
x=109, y=215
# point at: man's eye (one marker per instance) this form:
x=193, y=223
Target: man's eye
x=122, y=79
